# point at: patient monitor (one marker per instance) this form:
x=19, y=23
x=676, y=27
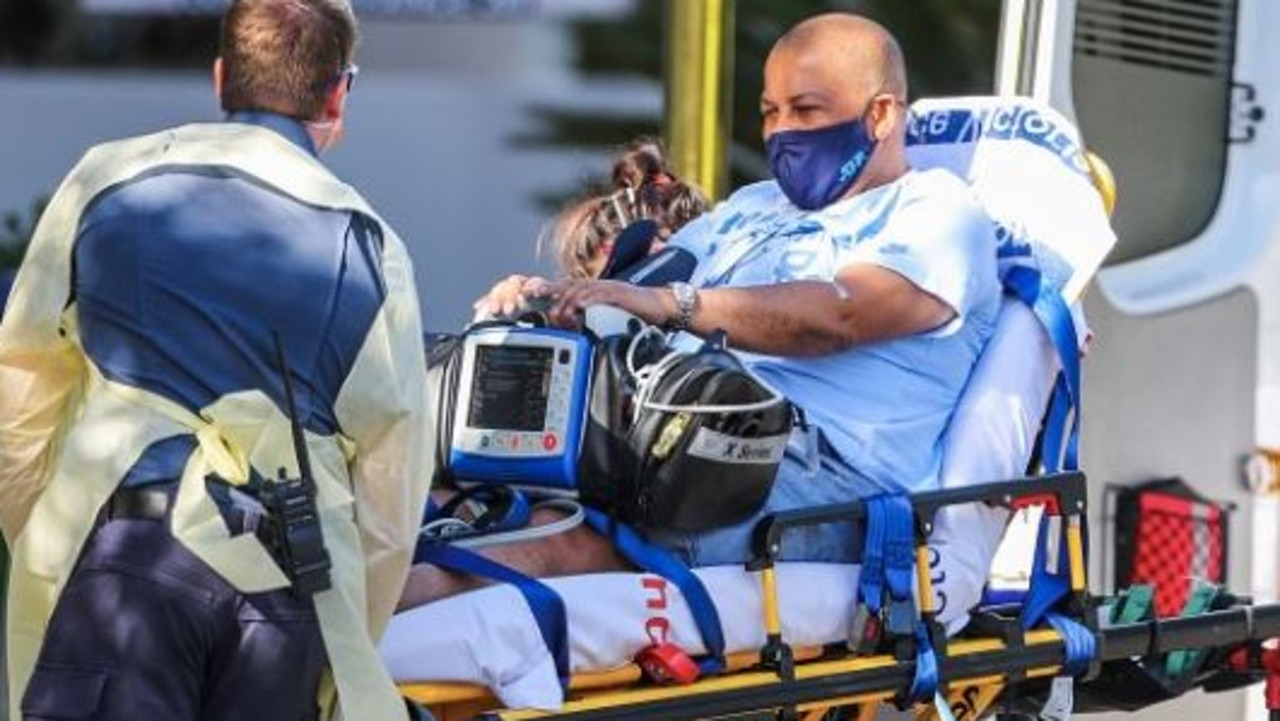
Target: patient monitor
x=521, y=400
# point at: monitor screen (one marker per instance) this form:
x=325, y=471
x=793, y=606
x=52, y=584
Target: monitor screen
x=510, y=388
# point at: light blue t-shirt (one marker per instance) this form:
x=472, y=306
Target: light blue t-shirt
x=882, y=406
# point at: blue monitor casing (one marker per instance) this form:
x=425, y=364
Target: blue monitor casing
x=520, y=408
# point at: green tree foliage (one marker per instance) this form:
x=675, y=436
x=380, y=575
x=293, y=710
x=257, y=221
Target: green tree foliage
x=62, y=33
x=16, y=230
x=950, y=47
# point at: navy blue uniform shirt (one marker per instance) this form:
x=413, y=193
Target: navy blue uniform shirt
x=182, y=275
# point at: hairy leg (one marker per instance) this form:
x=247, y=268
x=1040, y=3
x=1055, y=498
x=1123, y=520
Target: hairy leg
x=573, y=552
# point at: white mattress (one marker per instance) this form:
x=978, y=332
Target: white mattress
x=489, y=636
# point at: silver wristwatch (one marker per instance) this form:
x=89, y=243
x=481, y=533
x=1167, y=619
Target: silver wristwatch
x=686, y=304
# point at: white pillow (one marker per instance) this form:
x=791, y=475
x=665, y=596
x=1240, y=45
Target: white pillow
x=1026, y=164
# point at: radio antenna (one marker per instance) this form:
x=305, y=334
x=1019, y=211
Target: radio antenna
x=292, y=505
x=299, y=440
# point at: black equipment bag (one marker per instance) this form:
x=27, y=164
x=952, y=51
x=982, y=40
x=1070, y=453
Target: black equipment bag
x=692, y=468
x=608, y=462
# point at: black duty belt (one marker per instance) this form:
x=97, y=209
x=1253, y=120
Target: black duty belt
x=282, y=515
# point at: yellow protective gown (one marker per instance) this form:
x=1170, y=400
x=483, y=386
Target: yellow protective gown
x=68, y=435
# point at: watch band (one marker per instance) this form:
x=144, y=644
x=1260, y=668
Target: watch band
x=686, y=297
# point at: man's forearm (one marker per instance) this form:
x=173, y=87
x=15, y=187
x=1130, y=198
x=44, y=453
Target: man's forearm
x=803, y=318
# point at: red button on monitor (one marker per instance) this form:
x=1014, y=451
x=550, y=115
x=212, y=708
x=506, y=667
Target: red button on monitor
x=549, y=441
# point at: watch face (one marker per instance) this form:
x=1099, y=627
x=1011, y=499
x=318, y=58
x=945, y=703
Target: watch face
x=681, y=292
x=684, y=293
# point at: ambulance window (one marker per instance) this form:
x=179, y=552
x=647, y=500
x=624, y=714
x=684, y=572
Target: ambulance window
x=1152, y=87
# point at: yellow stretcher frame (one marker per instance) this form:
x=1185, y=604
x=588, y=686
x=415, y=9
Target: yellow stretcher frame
x=976, y=672
x=809, y=682
x=594, y=694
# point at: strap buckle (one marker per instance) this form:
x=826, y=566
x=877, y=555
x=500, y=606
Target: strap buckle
x=866, y=631
x=667, y=663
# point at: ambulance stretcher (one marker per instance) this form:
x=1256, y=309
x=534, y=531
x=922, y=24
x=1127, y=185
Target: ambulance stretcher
x=1002, y=146
x=994, y=662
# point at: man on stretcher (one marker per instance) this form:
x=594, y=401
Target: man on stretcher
x=860, y=288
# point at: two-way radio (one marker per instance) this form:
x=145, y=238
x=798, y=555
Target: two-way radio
x=291, y=507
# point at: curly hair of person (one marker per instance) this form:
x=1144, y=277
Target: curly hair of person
x=643, y=186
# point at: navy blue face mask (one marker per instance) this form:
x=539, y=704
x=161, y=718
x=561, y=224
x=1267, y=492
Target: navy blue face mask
x=815, y=168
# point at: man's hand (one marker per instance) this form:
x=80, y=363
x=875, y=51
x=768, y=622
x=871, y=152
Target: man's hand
x=652, y=305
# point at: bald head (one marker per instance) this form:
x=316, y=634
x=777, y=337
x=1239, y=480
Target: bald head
x=862, y=49
x=837, y=68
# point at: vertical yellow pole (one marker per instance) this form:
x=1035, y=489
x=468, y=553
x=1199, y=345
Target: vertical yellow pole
x=699, y=90
x=772, y=616
x=1075, y=552
x=924, y=580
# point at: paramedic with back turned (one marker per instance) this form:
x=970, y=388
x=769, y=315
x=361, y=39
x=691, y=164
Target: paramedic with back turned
x=862, y=289
x=143, y=411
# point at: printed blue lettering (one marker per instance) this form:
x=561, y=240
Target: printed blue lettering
x=795, y=265
x=947, y=127
x=805, y=227
x=850, y=168
x=1012, y=243
x=730, y=223
x=1013, y=249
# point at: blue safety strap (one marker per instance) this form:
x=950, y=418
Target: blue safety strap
x=899, y=547
x=889, y=564
x=1046, y=589
x=1059, y=450
x=925, y=683
x=545, y=604
x=657, y=560
x=888, y=556
x=1079, y=644
x=1059, y=446
x=1060, y=441
x=871, y=576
